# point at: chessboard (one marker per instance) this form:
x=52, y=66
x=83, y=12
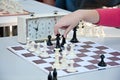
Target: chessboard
x=5, y=13
x=87, y=57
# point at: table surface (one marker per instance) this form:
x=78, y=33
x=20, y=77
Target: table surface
x=13, y=67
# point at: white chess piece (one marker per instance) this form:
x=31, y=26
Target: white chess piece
x=65, y=48
x=38, y=50
x=32, y=46
x=27, y=46
x=64, y=62
x=56, y=63
x=81, y=25
x=71, y=67
x=95, y=31
x=44, y=52
x=71, y=54
x=101, y=31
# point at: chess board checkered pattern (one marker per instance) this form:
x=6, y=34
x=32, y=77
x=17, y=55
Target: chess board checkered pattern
x=88, y=56
x=5, y=13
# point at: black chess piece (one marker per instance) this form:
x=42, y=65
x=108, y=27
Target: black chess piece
x=102, y=63
x=49, y=76
x=54, y=74
x=63, y=41
x=58, y=41
x=74, y=38
x=49, y=43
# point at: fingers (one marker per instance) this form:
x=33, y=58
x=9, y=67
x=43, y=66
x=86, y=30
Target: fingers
x=68, y=30
x=56, y=30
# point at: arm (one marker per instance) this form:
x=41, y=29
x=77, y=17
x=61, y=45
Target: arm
x=108, y=17
x=69, y=21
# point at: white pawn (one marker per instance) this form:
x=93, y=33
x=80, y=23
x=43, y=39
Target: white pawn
x=56, y=63
x=32, y=46
x=65, y=48
x=95, y=31
x=71, y=67
x=27, y=46
x=101, y=31
x=71, y=54
x=38, y=51
x=44, y=52
x=81, y=25
x=64, y=62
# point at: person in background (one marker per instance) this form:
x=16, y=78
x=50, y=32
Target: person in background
x=106, y=17
x=49, y=2
x=72, y=5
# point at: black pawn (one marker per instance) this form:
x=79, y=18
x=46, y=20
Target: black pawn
x=49, y=43
x=63, y=41
x=74, y=38
x=102, y=63
x=49, y=76
x=54, y=74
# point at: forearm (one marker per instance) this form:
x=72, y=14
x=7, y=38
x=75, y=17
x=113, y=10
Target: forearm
x=91, y=16
x=109, y=17
x=105, y=17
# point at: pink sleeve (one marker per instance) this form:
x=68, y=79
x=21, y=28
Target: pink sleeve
x=109, y=17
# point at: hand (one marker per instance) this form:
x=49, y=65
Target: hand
x=71, y=20
x=67, y=23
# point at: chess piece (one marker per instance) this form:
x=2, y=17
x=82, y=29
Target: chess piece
x=50, y=76
x=44, y=53
x=72, y=54
x=102, y=63
x=63, y=41
x=58, y=41
x=74, y=38
x=49, y=43
x=101, y=31
x=38, y=51
x=54, y=74
x=56, y=63
x=32, y=46
x=64, y=63
x=81, y=26
x=71, y=67
x=27, y=46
